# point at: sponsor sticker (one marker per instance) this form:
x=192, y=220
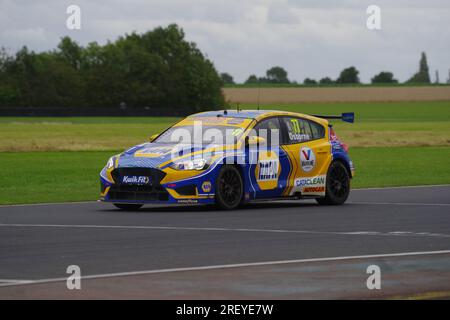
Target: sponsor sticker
x=313, y=181
x=206, y=186
x=136, y=180
x=314, y=189
x=268, y=170
x=152, y=151
x=307, y=159
x=187, y=201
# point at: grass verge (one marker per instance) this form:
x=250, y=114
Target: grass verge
x=33, y=177
x=377, y=125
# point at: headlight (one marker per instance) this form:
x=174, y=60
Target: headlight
x=110, y=162
x=193, y=164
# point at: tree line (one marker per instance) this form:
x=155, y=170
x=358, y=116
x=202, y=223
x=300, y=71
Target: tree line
x=158, y=68
x=350, y=75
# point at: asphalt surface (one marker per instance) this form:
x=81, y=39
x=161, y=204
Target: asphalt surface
x=39, y=242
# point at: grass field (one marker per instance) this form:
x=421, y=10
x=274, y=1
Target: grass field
x=58, y=159
x=377, y=124
x=30, y=177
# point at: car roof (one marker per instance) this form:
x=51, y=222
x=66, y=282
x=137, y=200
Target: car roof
x=256, y=114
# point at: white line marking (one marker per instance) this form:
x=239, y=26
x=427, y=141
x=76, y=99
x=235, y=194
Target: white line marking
x=14, y=281
x=374, y=233
x=399, y=203
x=236, y=265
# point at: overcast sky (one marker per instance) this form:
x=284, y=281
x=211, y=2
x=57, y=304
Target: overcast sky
x=309, y=38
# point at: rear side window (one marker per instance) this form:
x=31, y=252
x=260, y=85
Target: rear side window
x=297, y=130
x=317, y=130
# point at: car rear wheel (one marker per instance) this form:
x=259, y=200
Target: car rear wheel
x=229, y=188
x=128, y=206
x=337, y=186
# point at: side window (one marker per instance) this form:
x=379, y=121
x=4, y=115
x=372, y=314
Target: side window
x=269, y=129
x=298, y=130
x=318, y=131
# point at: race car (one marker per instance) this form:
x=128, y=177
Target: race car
x=229, y=158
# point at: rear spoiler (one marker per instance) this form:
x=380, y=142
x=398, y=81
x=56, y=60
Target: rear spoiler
x=346, y=116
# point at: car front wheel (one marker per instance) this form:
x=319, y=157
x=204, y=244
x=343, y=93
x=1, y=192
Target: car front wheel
x=229, y=188
x=337, y=186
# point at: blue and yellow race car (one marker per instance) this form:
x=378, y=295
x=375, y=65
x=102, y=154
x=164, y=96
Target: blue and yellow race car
x=230, y=158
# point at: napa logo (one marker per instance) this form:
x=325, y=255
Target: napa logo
x=307, y=159
x=268, y=170
x=206, y=186
x=136, y=180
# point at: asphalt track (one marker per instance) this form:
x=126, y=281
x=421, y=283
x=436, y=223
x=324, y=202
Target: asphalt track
x=270, y=250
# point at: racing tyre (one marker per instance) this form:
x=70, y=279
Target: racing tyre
x=229, y=188
x=128, y=206
x=337, y=186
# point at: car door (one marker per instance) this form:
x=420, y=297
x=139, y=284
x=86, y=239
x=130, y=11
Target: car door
x=269, y=175
x=309, y=152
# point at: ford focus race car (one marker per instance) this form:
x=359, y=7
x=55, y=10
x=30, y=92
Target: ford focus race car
x=229, y=158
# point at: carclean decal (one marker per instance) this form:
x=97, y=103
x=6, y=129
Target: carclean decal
x=310, y=185
x=307, y=159
x=313, y=181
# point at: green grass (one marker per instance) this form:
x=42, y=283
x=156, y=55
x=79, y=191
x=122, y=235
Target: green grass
x=32, y=177
x=377, y=124
x=403, y=166
x=57, y=159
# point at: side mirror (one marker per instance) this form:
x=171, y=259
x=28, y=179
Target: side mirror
x=153, y=137
x=254, y=141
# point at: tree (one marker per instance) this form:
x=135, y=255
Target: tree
x=158, y=68
x=252, y=79
x=227, y=78
x=384, y=77
x=348, y=75
x=277, y=75
x=326, y=80
x=423, y=75
x=70, y=51
x=309, y=81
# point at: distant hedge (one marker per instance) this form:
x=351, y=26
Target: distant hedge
x=156, y=69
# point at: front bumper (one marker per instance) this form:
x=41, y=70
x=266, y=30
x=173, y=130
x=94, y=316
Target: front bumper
x=161, y=189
